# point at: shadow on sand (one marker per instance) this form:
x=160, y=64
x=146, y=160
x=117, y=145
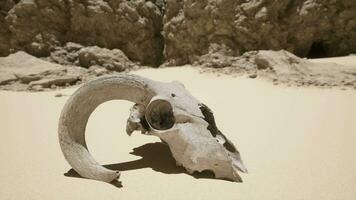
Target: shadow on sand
x=156, y=156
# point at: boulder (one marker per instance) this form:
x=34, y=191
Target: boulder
x=113, y=60
x=75, y=54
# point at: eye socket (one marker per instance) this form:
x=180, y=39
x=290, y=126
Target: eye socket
x=159, y=115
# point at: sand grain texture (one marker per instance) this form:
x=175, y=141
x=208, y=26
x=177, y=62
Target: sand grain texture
x=298, y=143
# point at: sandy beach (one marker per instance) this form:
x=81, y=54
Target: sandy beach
x=297, y=143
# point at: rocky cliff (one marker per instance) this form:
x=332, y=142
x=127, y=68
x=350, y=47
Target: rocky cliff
x=179, y=31
x=309, y=28
x=38, y=26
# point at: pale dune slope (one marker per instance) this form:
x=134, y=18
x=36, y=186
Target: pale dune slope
x=298, y=143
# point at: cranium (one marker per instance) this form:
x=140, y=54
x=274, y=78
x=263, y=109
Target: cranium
x=166, y=110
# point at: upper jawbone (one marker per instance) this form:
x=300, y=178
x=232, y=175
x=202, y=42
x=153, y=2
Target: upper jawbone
x=195, y=142
x=194, y=148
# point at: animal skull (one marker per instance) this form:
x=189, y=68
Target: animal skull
x=166, y=110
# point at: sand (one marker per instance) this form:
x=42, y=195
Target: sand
x=343, y=60
x=297, y=143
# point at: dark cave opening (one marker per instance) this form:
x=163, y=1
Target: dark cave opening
x=317, y=50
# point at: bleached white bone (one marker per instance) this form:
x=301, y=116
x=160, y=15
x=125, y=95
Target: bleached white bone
x=166, y=110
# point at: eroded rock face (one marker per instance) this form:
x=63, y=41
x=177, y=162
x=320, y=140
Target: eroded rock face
x=108, y=35
x=5, y=46
x=306, y=28
x=179, y=30
x=39, y=26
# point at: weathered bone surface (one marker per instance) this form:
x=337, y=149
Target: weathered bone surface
x=166, y=110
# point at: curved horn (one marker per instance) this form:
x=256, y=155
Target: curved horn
x=77, y=110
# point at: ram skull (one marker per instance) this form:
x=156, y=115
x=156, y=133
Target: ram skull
x=166, y=110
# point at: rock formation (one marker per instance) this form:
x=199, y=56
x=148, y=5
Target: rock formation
x=179, y=31
x=107, y=36
x=21, y=71
x=37, y=26
x=280, y=67
x=75, y=54
x=306, y=28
